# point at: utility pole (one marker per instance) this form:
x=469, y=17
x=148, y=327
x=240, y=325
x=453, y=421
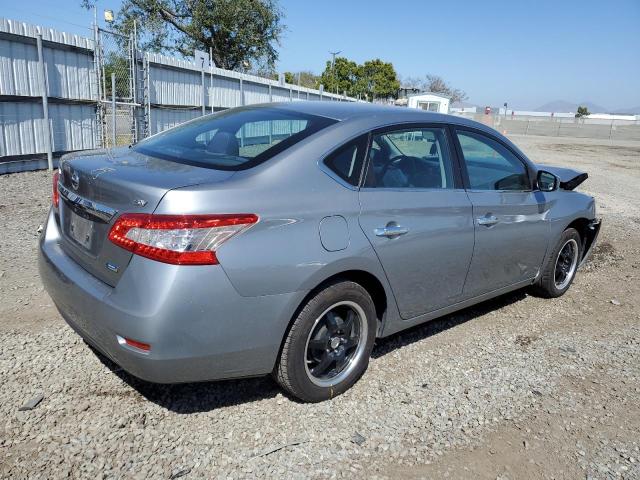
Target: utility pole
x=333, y=66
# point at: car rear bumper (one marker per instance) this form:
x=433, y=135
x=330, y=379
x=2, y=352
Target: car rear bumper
x=197, y=324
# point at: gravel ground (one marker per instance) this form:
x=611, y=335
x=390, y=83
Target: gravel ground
x=516, y=387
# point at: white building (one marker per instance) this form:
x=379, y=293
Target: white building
x=433, y=102
x=463, y=110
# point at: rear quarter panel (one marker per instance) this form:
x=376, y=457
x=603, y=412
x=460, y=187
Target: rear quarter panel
x=291, y=194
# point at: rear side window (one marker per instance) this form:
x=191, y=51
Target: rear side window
x=233, y=140
x=346, y=162
x=491, y=165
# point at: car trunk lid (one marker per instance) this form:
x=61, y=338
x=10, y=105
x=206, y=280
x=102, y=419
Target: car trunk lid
x=96, y=187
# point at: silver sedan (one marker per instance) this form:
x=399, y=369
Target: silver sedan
x=285, y=238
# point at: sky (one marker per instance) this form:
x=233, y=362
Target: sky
x=525, y=53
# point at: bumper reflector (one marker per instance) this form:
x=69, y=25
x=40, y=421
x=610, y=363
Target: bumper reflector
x=143, y=347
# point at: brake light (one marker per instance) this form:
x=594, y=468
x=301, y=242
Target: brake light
x=178, y=239
x=56, y=196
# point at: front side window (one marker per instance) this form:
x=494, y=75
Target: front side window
x=491, y=165
x=233, y=140
x=414, y=158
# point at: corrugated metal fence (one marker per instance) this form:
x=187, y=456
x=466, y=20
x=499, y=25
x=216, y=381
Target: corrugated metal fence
x=66, y=74
x=178, y=89
x=62, y=76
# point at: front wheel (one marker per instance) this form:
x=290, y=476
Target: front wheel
x=329, y=343
x=560, y=269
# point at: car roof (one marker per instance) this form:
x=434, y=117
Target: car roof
x=335, y=110
x=349, y=110
x=381, y=114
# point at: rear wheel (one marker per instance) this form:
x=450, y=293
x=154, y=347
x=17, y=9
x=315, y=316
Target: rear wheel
x=560, y=270
x=328, y=346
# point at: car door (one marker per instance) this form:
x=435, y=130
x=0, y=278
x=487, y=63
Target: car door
x=511, y=228
x=417, y=216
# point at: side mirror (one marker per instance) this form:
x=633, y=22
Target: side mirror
x=547, y=182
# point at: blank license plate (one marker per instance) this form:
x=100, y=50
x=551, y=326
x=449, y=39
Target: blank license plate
x=80, y=229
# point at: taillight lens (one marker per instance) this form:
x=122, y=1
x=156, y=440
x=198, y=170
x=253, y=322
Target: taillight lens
x=178, y=239
x=55, y=199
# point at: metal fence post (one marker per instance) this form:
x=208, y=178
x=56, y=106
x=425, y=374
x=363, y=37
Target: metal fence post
x=113, y=110
x=270, y=94
x=241, y=92
x=204, y=100
x=611, y=130
x=147, y=90
x=45, y=102
x=99, y=136
x=134, y=65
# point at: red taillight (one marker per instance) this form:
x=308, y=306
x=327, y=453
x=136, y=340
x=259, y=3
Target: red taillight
x=56, y=196
x=178, y=239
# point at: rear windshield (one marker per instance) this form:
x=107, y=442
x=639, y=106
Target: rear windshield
x=233, y=140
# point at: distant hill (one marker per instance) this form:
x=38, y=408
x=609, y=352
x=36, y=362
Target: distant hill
x=564, y=106
x=630, y=111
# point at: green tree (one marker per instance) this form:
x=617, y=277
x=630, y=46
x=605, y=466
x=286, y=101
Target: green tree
x=379, y=79
x=582, y=112
x=242, y=34
x=307, y=79
x=341, y=76
x=371, y=80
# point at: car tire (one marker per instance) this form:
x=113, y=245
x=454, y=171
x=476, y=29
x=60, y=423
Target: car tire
x=560, y=268
x=328, y=345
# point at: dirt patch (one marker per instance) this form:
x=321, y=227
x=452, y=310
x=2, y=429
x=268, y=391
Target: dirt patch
x=604, y=254
x=579, y=149
x=525, y=340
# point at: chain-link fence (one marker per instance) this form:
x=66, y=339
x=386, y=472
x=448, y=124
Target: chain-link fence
x=116, y=71
x=611, y=129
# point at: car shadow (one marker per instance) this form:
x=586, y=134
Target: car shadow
x=195, y=397
x=425, y=330
x=187, y=398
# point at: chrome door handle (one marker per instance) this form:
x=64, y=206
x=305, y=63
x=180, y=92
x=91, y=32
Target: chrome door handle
x=487, y=220
x=391, y=231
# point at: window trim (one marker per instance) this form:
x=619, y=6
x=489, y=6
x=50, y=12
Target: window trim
x=363, y=139
x=458, y=184
x=463, y=164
